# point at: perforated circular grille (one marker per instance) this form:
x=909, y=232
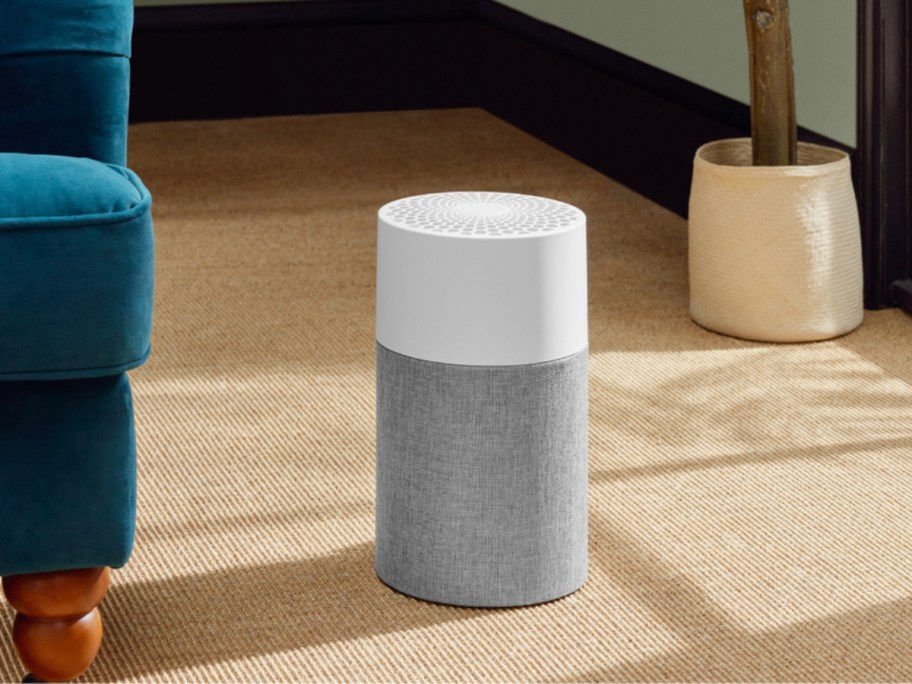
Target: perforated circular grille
x=481, y=214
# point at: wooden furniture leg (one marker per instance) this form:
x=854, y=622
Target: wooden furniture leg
x=57, y=630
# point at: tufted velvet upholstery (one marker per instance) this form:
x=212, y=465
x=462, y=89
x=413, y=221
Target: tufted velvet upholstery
x=76, y=255
x=65, y=77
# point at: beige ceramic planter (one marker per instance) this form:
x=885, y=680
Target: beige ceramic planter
x=774, y=251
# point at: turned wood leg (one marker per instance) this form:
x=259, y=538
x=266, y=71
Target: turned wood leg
x=57, y=630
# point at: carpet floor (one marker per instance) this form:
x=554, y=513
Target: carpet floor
x=750, y=504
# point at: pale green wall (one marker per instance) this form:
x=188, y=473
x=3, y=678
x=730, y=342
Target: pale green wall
x=704, y=41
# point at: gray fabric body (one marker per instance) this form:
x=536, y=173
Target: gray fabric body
x=482, y=479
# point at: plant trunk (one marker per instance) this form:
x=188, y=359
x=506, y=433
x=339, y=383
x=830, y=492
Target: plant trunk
x=773, y=125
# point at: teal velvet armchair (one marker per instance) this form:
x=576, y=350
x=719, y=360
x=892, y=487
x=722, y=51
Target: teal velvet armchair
x=76, y=271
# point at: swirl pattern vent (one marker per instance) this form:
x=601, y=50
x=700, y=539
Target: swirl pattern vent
x=482, y=214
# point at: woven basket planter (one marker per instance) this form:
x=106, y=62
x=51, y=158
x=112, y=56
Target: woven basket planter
x=774, y=251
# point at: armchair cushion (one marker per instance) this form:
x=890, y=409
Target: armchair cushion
x=76, y=261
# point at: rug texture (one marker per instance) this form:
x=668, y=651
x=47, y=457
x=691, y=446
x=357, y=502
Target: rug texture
x=750, y=504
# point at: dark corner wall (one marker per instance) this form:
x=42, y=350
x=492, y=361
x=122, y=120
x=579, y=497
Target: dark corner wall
x=320, y=56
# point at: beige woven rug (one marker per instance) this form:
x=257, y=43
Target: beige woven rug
x=751, y=504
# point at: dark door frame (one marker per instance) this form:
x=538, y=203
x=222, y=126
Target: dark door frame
x=884, y=150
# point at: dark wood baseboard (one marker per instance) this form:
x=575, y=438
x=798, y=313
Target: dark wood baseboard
x=629, y=120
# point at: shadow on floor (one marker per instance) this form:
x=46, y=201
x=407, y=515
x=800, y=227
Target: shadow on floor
x=869, y=644
x=249, y=611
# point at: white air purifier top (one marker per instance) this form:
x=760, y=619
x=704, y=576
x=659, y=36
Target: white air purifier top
x=481, y=278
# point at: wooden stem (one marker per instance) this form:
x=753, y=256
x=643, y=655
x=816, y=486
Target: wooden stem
x=57, y=631
x=774, y=128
